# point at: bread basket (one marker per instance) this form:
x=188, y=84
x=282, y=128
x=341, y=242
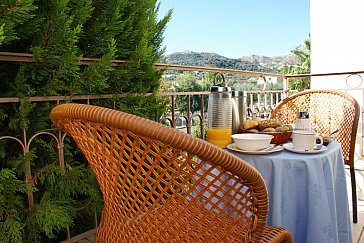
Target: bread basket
x=278, y=137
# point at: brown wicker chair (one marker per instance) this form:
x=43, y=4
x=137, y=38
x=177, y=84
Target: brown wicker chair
x=163, y=185
x=329, y=110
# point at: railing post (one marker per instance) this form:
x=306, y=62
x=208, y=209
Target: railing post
x=245, y=105
x=265, y=100
x=60, y=150
x=202, y=110
x=188, y=117
x=251, y=101
x=285, y=87
x=28, y=171
x=173, y=97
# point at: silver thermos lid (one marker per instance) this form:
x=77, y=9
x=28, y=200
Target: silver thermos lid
x=303, y=115
x=218, y=88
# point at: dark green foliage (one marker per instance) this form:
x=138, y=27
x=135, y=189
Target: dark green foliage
x=144, y=107
x=59, y=33
x=17, y=20
x=12, y=193
x=67, y=195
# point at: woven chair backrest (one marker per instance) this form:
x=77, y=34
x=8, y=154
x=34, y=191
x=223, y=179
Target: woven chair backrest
x=329, y=110
x=159, y=182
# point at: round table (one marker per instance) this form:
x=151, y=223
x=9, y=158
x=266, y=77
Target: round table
x=307, y=193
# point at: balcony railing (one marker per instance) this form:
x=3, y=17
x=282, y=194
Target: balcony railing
x=256, y=103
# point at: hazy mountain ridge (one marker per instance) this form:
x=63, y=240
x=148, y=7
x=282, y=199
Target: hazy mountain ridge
x=251, y=63
x=276, y=61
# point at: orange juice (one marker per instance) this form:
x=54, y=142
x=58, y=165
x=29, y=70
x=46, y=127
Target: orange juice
x=219, y=137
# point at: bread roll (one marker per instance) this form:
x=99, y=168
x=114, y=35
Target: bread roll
x=269, y=129
x=269, y=123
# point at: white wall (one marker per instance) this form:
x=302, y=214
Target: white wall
x=337, y=41
x=337, y=45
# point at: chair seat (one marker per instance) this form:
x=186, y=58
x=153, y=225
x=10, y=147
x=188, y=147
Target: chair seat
x=177, y=223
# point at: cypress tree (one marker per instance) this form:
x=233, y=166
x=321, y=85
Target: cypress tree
x=59, y=33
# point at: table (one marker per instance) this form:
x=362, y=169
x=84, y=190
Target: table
x=307, y=193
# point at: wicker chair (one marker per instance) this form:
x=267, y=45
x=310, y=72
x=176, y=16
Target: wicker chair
x=329, y=110
x=163, y=185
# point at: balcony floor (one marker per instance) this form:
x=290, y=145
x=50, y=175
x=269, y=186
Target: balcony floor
x=358, y=228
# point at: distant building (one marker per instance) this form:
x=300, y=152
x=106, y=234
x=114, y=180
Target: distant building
x=271, y=80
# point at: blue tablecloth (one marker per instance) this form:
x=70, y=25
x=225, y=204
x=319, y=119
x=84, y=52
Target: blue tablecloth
x=307, y=193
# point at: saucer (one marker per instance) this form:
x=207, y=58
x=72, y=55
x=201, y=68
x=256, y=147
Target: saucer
x=268, y=150
x=290, y=147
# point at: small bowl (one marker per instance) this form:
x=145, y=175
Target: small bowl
x=327, y=139
x=252, y=141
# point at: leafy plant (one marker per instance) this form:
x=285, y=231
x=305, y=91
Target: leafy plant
x=303, y=55
x=12, y=192
x=59, y=33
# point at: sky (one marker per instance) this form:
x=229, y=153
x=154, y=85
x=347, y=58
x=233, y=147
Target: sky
x=236, y=28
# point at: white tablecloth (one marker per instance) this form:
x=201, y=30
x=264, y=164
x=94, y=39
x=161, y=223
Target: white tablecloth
x=307, y=193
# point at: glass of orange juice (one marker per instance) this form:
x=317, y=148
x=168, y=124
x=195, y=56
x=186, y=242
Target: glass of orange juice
x=219, y=117
x=219, y=137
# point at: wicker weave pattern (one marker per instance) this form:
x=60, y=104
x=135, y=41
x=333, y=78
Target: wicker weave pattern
x=329, y=110
x=160, y=184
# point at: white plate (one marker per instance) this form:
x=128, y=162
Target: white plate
x=268, y=150
x=290, y=147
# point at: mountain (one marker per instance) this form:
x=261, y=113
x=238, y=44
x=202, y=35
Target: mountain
x=275, y=62
x=251, y=63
